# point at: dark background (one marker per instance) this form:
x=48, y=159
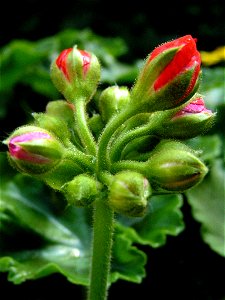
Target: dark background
x=185, y=268
x=143, y=24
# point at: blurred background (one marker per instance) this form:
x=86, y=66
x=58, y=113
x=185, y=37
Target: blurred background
x=185, y=268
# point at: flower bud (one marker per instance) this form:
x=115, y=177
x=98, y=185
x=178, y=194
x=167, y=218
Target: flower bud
x=34, y=150
x=62, y=110
x=192, y=120
x=76, y=74
x=174, y=167
x=112, y=101
x=129, y=193
x=82, y=190
x=169, y=76
x=52, y=124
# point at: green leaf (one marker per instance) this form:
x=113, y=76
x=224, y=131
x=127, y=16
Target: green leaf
x=41, y=236
x=163, y=218
x=208, y=202
x=127, y=261
x=209, y=146
x=212, y=87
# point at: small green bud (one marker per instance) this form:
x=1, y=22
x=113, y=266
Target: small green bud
x=62, y=110
x=129, y=193
x=52, y=124
x=112, y=101
x=34, y=150
x=76, y=74
x=82, y=190
x=174, y=167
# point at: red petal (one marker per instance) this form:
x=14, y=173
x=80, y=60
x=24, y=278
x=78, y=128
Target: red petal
x=173, y=44
x=184, y=59
x=61, y=61
x=86, y=60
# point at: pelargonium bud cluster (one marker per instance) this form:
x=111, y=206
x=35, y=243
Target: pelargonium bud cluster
x=131, y=146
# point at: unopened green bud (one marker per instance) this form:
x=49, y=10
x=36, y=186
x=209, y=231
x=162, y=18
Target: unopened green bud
x=82, y=190
x=129, y=193
x=62, y=110
x=34, y=150
x=174, y=167
x=52, y=124
x=112, y=101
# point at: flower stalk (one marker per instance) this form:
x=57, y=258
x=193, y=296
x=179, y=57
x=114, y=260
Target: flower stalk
x=103, y=227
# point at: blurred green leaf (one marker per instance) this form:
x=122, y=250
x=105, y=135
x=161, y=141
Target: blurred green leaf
x=209, y=147
x=212, y=87
x=208, y=202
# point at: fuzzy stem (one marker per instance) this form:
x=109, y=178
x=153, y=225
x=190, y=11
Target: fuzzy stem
x=101, y=251
x=84, y=132
x=112, y=126
x=155, y=122
x=130, y=165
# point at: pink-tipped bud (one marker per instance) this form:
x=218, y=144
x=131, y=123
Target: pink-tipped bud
x=194, y=107
x=192, y=120
x=33, y=150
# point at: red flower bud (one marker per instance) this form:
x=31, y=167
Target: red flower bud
x=170, y=75
x=61, y=61
x=76, y=74
x=186, y=57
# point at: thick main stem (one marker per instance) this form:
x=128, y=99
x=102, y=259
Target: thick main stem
x=101, y=251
